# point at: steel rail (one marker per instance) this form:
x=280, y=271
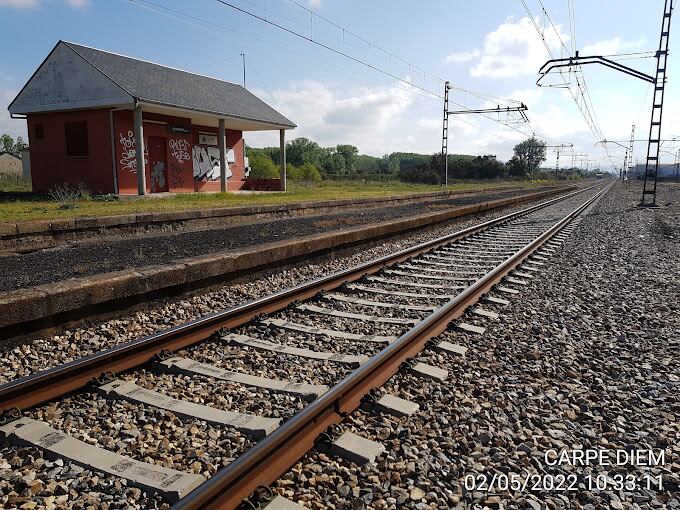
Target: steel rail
x=275, y=454
x=56, y=382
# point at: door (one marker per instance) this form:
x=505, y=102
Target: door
x=158, y=169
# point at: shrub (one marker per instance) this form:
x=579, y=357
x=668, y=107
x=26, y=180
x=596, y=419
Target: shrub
x=309, y=173
x=67, y=196
x=262, y=167
x=293, y=173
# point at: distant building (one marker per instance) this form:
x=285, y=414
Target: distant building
x=666, y=171
x=10, y=164
x=86, y=108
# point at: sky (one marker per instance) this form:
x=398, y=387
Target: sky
x=488, y=47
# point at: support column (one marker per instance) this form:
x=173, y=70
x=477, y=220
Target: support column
x=139, y=151
x=223, y=157
x=282, y=157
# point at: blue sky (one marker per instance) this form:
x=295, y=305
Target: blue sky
x=487, y=46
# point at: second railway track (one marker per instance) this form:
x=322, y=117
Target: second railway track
x=284, y=368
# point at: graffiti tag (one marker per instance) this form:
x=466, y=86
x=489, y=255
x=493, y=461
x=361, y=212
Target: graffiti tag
x=129, y=157
x=207, y=163
x=179, y=149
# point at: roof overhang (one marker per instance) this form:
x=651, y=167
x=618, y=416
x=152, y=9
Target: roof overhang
x=212, y=119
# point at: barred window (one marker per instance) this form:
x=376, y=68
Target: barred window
x=76, y=139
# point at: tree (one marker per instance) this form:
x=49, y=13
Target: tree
x=531, y=152
x=368, y=164
x=7, y=144
x=303, y=150
x=333, y=163
x=349, y=154
x=262, y=167
x=516, y=168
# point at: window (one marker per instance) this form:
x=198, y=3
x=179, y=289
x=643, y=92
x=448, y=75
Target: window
x=76, y=139
x=40, y=131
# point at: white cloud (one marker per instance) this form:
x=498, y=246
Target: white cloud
x=367, y=117
x=19, y=4
x=515, y=48
x=615, y=45
x=314, y=4
x=462, y=56
x=78, y=3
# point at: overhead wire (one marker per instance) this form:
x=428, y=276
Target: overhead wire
x=199, y=22
x=172, y=14
x=586, y=107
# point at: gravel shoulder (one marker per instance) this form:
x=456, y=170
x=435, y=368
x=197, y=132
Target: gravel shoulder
x=584, y=358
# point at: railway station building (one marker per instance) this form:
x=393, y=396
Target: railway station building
x=94, y=118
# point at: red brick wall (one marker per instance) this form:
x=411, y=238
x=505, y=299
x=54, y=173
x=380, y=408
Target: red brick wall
x=179, y=154
x=51, y=167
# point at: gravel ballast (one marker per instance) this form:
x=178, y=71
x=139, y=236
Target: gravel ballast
x=47, y=352
x=584, y=358
x=156, y=436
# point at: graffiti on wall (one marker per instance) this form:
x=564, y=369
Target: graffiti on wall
x=158, y=176
x=176, y=175
x=179, y=149
x=128, y=159
x=207, y=163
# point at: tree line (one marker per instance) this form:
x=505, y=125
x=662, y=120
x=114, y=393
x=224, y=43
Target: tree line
x=11, y=146
x=308, y=161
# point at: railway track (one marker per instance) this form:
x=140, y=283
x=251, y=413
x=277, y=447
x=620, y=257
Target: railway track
x=344, y=334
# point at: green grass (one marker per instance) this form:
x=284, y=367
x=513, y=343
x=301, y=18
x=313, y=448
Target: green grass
x=15, y=207
x=14, y=183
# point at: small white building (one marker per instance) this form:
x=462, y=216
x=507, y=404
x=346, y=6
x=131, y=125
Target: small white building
x=10, y=164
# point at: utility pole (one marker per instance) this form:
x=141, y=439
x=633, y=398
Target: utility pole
x=659, y=81
x=652, y=162
x=243, y=59
x=445, y=125
x=630, y=153
x=445, y=134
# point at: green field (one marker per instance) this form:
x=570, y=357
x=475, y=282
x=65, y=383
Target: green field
x=17, y=204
